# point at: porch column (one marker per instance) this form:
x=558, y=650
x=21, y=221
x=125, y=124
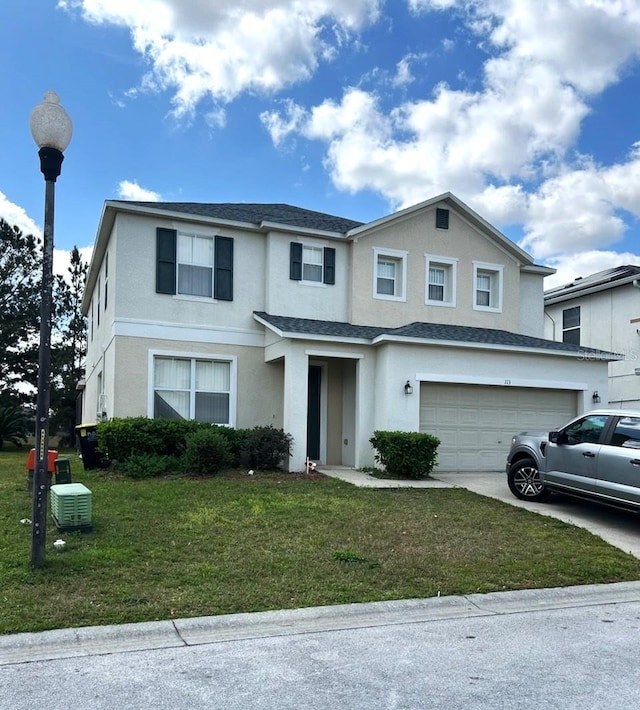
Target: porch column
x=365, y=410
x=296, y=373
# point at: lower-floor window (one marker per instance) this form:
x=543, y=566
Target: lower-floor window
x=192, y=388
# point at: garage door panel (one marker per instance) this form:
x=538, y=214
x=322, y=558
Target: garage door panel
x=475, y=423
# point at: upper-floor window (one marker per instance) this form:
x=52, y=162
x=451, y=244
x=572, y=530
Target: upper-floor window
x=571, y=325
x=194, y=264
x=390, y=274
x=106, y=279
x=198, y=388
x=487, y=286
x=312, y=264
x=98, y=291
x=440, y=281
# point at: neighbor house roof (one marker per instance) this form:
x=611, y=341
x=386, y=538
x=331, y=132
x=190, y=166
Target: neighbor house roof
x=600, y=281
x=432, y=333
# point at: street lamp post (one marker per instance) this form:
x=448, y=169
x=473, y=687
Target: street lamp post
x=51, y=130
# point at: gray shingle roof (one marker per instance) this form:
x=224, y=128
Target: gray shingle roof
x=256, y=213
x=423, y=331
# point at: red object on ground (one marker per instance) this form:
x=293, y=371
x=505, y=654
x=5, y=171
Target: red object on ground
x=51, y=460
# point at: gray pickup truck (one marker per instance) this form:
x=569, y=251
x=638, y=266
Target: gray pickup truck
x=595, y=455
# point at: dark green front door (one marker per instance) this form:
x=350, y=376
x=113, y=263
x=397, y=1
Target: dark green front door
x=313, y=413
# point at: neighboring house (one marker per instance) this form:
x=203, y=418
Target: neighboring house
x=256, y=314
x=602, y=311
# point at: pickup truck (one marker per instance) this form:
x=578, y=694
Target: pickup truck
x=595, y=455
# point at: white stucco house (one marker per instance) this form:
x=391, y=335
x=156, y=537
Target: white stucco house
x=602, y=311
x=428, y=319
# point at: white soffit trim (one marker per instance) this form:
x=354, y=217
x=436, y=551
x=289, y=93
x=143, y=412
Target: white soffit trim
x=333, y=353
x=131, y=328
x=502, y=381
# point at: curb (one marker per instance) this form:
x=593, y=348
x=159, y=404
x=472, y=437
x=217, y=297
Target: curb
x=146, y=636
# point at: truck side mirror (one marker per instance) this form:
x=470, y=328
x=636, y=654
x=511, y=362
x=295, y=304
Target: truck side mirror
x=555, y=437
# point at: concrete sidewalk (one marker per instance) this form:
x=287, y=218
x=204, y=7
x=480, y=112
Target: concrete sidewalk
x=102, y=640
x=619, y=528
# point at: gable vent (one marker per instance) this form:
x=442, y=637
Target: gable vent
x=442, y=218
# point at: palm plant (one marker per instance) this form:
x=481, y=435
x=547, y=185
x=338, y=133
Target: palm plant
x=14, y=424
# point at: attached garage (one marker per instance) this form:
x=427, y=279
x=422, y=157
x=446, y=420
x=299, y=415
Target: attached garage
x=475, y=423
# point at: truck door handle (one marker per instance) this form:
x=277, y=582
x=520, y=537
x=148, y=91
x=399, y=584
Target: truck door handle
x=635, y=462
x=591, y=455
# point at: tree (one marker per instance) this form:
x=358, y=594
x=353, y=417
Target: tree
x=14, y=425
x=20, y=267
x=69, y=345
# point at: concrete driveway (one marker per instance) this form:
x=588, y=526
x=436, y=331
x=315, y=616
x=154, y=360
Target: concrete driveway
x=617, y=527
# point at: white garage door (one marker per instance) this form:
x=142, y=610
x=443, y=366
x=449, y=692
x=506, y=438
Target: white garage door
x=475, y=423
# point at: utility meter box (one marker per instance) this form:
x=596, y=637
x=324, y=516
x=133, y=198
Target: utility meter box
x=71, y=506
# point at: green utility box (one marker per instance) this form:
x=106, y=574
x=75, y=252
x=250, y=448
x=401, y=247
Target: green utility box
x=71, y=506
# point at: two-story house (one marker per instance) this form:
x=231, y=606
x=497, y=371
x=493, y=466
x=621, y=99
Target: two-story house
x=428, y=319
x=602, y=311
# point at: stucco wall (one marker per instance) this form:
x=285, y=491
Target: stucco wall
x=532, y=305
x=418, y=236
x=606, y=323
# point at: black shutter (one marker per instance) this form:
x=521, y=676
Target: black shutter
x=166, y=260
x=223, y=278
x=442, y=218
x=329, y=276
x=295, y=261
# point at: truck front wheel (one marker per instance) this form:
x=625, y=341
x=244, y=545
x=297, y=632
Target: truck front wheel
x=525, y=482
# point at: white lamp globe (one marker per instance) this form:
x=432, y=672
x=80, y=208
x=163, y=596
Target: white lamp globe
x=50, y=124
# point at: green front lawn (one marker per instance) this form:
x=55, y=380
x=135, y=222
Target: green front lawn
x=177, y=547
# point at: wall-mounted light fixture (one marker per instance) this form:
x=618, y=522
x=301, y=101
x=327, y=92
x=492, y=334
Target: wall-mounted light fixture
x=596, y=397
x=408, y=389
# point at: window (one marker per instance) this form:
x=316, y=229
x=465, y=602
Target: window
x=627, y=433
x=193, y=388
x=571, y=325
x=312, y=264
x=442, y=218
x=194, y=265
x=487, y=288
x=98, y=292
x=390, y=274
x=585, y=431
x=440, y=281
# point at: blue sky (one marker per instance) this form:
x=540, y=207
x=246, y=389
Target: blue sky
x=527, y=110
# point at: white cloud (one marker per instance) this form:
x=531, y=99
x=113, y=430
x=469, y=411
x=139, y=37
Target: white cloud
x=509, y=148
x=130, y=190
x=17, y=216
x=220, y=49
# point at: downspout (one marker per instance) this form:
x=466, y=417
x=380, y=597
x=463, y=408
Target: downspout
x=554, y=323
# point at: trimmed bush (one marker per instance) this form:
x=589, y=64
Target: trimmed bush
x=119, y=439
x=207, y=451
x=406, y=454
x=265, y=448
x=149, y=465
x=236, y=439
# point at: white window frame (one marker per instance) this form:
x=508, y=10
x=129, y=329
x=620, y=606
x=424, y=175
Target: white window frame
x=400, y=258
x=313, y=282
x=233, y=379
x=211, y=238
x=450, y=280
x=496, y=273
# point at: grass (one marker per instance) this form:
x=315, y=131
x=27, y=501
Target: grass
x=178, y=547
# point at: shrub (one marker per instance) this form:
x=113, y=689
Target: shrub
x=207, y=451
x=406, y=454
x=235, y=439
x=149, y=465
x=265, y=448
x=120, y=439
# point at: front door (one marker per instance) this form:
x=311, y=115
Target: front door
x=313, y=413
